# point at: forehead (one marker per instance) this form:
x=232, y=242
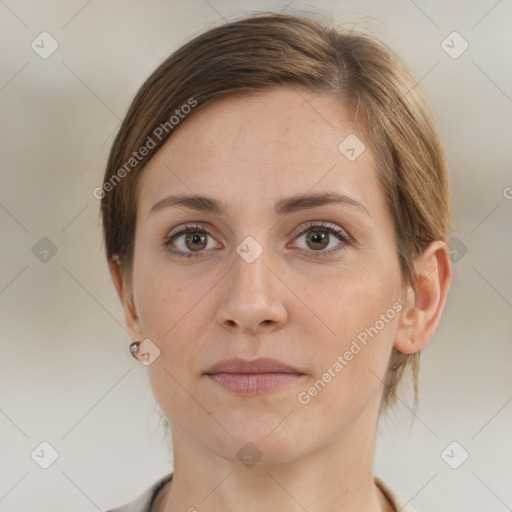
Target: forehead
x=283, y=140
x=264, y=123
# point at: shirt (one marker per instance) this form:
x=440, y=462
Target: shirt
x=144, y=501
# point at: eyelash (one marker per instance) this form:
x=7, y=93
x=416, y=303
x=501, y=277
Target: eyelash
x=322, y=226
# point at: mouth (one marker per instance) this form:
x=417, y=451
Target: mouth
x=253, y=377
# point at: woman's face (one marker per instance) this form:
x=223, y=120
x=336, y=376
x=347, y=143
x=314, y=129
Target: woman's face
x=266, y=272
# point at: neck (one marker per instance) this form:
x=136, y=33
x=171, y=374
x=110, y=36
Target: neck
x=334, y=477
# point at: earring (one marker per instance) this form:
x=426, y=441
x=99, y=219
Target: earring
x=134, y=348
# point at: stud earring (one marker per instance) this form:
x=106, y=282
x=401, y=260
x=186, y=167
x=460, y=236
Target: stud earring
x=134, y=348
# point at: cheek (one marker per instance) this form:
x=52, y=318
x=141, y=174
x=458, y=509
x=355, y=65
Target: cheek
x=351, y=368
x=163, y=297
x=365, y=327
x=170, y=311
x=354, y=298
x=361, y=308
x=172, y=315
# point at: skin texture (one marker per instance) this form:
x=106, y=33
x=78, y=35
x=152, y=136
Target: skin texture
x=291, y=303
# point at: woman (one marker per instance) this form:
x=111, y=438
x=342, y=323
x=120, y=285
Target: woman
x=275, y=211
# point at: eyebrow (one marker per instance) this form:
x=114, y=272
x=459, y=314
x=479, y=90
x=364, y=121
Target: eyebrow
x=282, y=207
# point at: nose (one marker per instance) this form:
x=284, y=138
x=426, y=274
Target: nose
x=253, y=300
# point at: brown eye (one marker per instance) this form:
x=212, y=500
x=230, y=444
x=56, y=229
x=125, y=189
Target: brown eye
x=322, y=238
x=190, y=241
x=196, y=241
x=317, y=239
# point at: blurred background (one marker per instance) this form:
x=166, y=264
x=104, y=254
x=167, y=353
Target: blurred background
x=69, y=70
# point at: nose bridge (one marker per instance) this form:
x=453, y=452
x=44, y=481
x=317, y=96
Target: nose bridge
x=251, y=298
x=250, y=273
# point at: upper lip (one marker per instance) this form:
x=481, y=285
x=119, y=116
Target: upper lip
x=261, y=365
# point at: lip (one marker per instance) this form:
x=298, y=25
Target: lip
x=261, y=365
x=253, y=377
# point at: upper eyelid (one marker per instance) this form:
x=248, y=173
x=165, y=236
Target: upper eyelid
x=303, y=226
x=190, y=225
x=320, y=224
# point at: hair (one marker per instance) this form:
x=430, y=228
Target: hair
x=266, y=50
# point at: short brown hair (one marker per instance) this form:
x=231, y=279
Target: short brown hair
x=268, y=49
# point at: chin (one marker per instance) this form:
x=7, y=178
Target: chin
x=254, y=451
x=257, y=439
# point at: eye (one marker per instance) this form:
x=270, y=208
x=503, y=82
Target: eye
x=323, y=239
x=189, y=241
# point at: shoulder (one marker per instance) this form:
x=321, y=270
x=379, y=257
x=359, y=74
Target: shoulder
x=143, y=502
x=396, y=499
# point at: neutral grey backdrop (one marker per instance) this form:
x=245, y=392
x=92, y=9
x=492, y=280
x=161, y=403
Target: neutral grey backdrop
x=66, y=376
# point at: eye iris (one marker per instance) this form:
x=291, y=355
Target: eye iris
x=319, y=239
x=196, y=238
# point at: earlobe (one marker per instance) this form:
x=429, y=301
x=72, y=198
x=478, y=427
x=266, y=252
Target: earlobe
x=126, y=298
x=424, y=303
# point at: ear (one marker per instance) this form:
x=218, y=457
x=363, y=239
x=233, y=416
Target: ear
x=423, y=304
x=126, y=297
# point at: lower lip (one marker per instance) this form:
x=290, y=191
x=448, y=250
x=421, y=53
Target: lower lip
x=254, y=383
